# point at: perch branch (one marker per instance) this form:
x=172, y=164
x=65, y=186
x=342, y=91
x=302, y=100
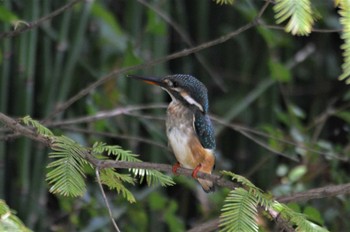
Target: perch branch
x=317, y=193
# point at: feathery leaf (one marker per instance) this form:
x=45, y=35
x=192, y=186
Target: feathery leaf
x=9, y=221
x=262, y=199
x=224, y=2
x=344, y=12
x=152, y=176
x=239, y=212
x=42, y=130
x=114, y=180
x=298, y=12
x=67, y=174
x=298, y=219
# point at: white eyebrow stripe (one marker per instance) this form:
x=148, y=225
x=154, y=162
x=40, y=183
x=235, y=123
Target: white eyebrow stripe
x=191, y=101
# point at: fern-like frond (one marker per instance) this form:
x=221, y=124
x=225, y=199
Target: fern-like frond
x=121, y=154
x=298, y=219
x=239, y=212
x=240, y=179
x=67, y=171
x=42, y=130
x=153, y=177
x=263, y=199
x=344, y=12
x=224, y=2
x=298, y=13
x=114, y=180
x=9, y=221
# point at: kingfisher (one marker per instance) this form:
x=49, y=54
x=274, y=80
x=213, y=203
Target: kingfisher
x=188, y=127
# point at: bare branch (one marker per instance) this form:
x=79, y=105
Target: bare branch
x=317, y=193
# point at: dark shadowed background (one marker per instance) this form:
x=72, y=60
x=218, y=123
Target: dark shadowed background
x=281, y=116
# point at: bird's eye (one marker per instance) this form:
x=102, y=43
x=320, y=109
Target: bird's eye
x=169, y=83
x=175, y=84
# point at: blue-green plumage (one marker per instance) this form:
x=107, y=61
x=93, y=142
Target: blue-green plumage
x=205, y=130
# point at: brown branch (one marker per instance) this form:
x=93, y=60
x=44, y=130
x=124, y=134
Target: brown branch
x=317, y=193
x=105, y=114
x=31, y=25
x=323, y=192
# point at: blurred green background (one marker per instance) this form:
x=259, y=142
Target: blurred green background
x=281, y=116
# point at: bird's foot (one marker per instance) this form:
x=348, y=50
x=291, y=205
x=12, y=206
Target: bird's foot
x=175, y=167
x=196, y=170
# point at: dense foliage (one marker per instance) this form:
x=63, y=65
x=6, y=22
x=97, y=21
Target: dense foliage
x=280, y=112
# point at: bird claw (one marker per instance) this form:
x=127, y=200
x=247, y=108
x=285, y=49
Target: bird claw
x=196, y=170
x=175, y=167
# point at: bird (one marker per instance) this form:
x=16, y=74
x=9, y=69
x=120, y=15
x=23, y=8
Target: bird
x=189, y=129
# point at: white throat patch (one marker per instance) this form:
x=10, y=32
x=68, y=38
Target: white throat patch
x=185, y=96
x=190, y=100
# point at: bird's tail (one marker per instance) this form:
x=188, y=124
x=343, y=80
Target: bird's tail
x=207, y=185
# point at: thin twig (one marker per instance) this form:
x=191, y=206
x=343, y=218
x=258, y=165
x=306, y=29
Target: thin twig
x=113, y=135
x=106, y=200
x=185, y=37
x=31, y=25
x=104, y=114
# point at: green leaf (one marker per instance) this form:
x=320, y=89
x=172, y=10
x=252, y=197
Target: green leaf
x=67, y=173
x=344, y=115
x=9, y=221
x=114, y=180
x=155, y=24
x=111, y=31
x=297, y=173
x=313, y=214
x=7, y=16
x=117, y=151
x=226, y=2
x=298, y=13
x=263, y=199
x=239, y=212
x=171, y=219
x=42, y=130
x=240, y=179
x=152, y=176
x=297, y=219
x=156, y=201
x=279, y=72
x=345, y=22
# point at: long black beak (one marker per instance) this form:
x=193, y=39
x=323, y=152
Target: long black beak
x=149, y=80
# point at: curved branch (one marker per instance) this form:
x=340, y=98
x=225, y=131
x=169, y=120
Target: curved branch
x=323, y=192
x=317, y=193
x=30, y=25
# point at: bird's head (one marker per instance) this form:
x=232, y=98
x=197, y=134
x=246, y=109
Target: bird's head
x=181, y=87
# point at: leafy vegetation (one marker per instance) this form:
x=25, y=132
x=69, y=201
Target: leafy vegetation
x=281, y=114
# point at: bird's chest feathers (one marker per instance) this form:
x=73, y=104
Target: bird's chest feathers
x=179, y=128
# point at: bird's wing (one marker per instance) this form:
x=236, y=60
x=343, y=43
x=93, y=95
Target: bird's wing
x=204, y=129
